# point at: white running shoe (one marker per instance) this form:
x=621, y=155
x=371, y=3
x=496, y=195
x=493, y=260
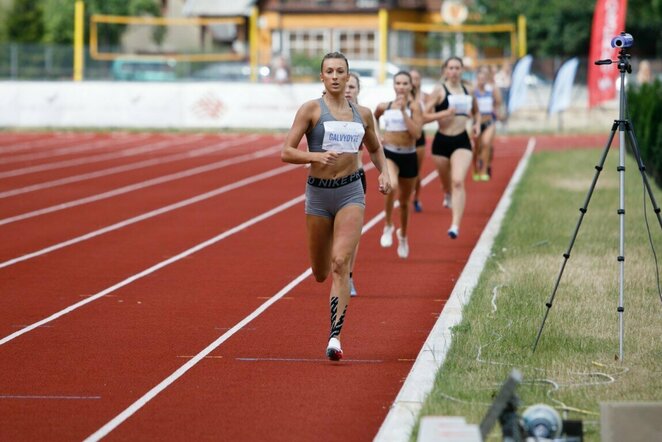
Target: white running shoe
x=352, y=289
x=447, y=200
x=403, y=246
x=387, y=237
x=454, y=232
x=333, y=350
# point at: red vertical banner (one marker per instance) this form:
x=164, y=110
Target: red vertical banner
x=608, y=22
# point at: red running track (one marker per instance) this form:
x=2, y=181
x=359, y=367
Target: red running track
x=131, y=334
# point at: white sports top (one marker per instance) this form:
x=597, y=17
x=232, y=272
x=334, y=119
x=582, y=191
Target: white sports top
x=461, y=103
x=343, y=136
x=394, y=121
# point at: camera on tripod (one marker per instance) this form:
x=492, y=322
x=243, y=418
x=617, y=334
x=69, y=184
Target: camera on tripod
x=624, y=40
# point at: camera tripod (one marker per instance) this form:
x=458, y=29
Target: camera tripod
x=625, y=129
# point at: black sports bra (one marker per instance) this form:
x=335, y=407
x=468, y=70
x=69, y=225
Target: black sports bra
x=444, y=104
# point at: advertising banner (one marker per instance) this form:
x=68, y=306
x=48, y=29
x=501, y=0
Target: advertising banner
x=608, y=22
x=561, y=95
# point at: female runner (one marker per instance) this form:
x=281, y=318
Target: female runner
x=335, y=202
x=403, y=119
x=452, y=106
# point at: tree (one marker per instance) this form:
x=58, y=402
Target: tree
x=554, y=27
x=644, y=22
x=59, y=17
x=563, y=27
x=24, y=22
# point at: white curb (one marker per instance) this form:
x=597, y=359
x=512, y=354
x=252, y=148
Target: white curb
x=402, y=416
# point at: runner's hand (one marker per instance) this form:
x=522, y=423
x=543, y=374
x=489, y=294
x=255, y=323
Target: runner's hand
x=448, y=113
x=400, y=103
x=384, y=183
x=328, y=158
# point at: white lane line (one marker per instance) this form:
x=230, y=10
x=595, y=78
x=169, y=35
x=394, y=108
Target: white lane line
x=151, y=214
x=143, y=184
x=317, y=360
x=29, y=396
x=155, y=268
x=38, y=143
x=132, y=151
x=151, y=394
x=137, y=405
x=60, y=151
x=214, y=148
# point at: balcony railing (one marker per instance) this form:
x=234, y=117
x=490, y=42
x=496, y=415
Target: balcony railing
x=341, y=5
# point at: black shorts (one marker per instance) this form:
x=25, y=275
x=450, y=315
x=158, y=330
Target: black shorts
x=421, y=141
x=445, y=145
x=485, y=124
x=407, y=163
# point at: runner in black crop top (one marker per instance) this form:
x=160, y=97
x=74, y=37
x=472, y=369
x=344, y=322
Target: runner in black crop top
x=444, y=104
x=452, y=146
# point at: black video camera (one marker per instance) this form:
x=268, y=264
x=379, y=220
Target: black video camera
x=622, y=41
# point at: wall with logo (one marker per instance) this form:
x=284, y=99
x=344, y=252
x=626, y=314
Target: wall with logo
x=160, y=105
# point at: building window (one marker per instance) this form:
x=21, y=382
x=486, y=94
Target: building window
x=354, y=44
x=357, y=44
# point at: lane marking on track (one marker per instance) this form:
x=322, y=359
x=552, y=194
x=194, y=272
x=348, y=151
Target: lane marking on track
x=60, y=151
x=132, y=151
x=151, y=214
x=156, y=267
x=151, y=394
x=39, y=143
x=207, y=357
x=287, y=298
x=258, y=359
x=214, y=148
x=26, y=325
x=142, y=185
x=28, y=396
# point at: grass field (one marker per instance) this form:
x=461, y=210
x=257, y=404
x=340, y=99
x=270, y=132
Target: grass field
x=576, y=364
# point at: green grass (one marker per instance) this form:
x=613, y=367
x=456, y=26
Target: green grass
x=575, y=366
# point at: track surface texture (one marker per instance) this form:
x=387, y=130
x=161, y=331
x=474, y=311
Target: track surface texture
x=156, y=287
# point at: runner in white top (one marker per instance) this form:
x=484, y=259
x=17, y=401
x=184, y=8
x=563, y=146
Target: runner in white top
x=352, y=90
x=452, y=107
x=403, y=119
x=489, y=106
x=419, y=96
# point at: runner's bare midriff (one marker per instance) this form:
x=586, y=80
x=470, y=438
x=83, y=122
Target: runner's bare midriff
x=345, y=165
x=399, y=139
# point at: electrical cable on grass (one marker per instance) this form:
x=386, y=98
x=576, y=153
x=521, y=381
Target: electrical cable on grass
x=556, y=386
x=462, y=401
x=622, y=370
x=495, y=293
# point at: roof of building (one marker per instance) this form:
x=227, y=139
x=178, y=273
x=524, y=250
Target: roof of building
x=218, y=8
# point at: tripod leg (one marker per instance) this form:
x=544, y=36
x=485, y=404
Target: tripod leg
x=582, y=210
x=642, y=169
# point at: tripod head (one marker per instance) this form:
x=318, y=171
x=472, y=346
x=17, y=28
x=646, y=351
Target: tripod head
x=623, y=41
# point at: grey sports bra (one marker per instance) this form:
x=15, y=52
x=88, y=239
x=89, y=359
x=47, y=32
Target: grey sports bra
x=332, y=134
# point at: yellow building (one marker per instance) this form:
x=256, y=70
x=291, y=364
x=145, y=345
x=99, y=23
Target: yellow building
x=311, y=27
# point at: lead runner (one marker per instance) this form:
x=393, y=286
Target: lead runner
x=335, y=202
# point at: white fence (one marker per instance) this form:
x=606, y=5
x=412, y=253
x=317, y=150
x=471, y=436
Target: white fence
x=160, y=105
x=232, y=105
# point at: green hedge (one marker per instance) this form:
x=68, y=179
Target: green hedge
x=645, y=114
